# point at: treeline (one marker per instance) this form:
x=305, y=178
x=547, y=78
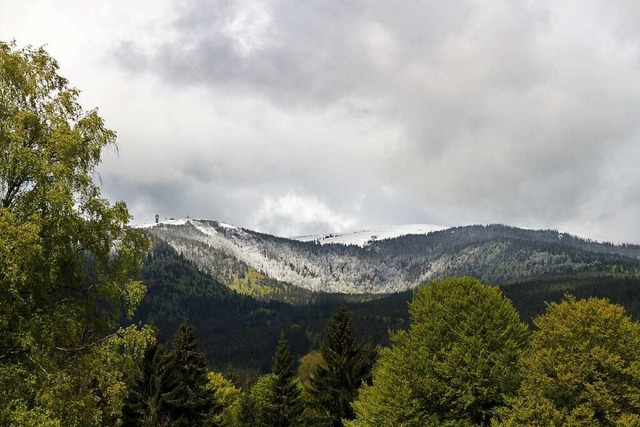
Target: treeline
x=174, y=388
x=465, y=360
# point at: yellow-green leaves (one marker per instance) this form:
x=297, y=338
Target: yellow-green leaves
x=227, y=398
x=68, y=263
x=455, y=364
x=583, y=368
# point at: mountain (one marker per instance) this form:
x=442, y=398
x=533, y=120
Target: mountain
x=268, y=266
x=239, y=333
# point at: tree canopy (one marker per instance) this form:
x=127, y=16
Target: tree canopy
x=346, y=365
x=67, y=259
x=453, y=366
x=582, y=369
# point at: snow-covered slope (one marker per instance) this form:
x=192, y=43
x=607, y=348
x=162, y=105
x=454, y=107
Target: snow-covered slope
x=181, y=221
x=366, y=237
x=386, y=263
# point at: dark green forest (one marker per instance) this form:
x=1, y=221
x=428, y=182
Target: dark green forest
x=463, y=357
x=240, y=333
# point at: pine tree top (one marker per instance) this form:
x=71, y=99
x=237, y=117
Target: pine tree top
x=282, y=362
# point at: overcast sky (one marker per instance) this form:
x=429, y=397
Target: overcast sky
x=298, y=117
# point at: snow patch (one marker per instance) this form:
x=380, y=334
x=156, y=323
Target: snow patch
x=203, y=228
x=366, y=237
x=228, y=226
x=181, y=221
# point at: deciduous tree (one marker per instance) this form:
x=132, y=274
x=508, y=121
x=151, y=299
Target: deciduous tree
x=67, y=259
x=227, y=398
x=455, y=364
x=583, y=368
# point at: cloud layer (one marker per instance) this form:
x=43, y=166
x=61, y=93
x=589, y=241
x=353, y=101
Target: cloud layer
x=300, y=117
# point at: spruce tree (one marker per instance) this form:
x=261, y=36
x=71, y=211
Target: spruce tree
x=186, y=400
x=286, y=406
x=348, y=365
x=143, y=401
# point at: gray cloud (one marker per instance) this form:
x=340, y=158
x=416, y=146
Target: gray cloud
x=450, y=112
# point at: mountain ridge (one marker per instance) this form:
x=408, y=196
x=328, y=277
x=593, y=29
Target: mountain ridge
x=494, y=253
x=366, y=237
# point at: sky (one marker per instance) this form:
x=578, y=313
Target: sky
x=309, y=117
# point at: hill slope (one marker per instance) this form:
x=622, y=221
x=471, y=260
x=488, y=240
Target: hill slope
x=367, y=237
x=239, y=257
x=241, y=331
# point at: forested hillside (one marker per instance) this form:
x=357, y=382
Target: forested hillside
x=265, y=266
x=240, y=331
x=236, y=329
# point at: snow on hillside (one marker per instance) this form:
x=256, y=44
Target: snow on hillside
x=357, y=238
x=365, y=237
x=181, y=221
x=320, y=272
x=312, y=263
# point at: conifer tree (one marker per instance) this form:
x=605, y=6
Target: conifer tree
x=347, y=365
x=286, y=406
x=186, y=399
x=246, y=412
x=143, y=401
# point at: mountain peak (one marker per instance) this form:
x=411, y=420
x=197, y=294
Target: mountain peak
x=184, y=221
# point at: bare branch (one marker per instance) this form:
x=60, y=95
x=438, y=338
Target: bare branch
x=86, y=346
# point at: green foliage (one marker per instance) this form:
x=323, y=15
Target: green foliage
x=583, y=368
x=285, y=405
x=347, y=364
x=67, y=259
x=227, y=397
x=187, y=395
x=530, y=296
x=247, y=412
x=262, y=398
x=173, y=387
x=178, y=290
x=143, y=402
x=454, y=365
x=248, y=328
x=257, y=285
x=308, y=365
